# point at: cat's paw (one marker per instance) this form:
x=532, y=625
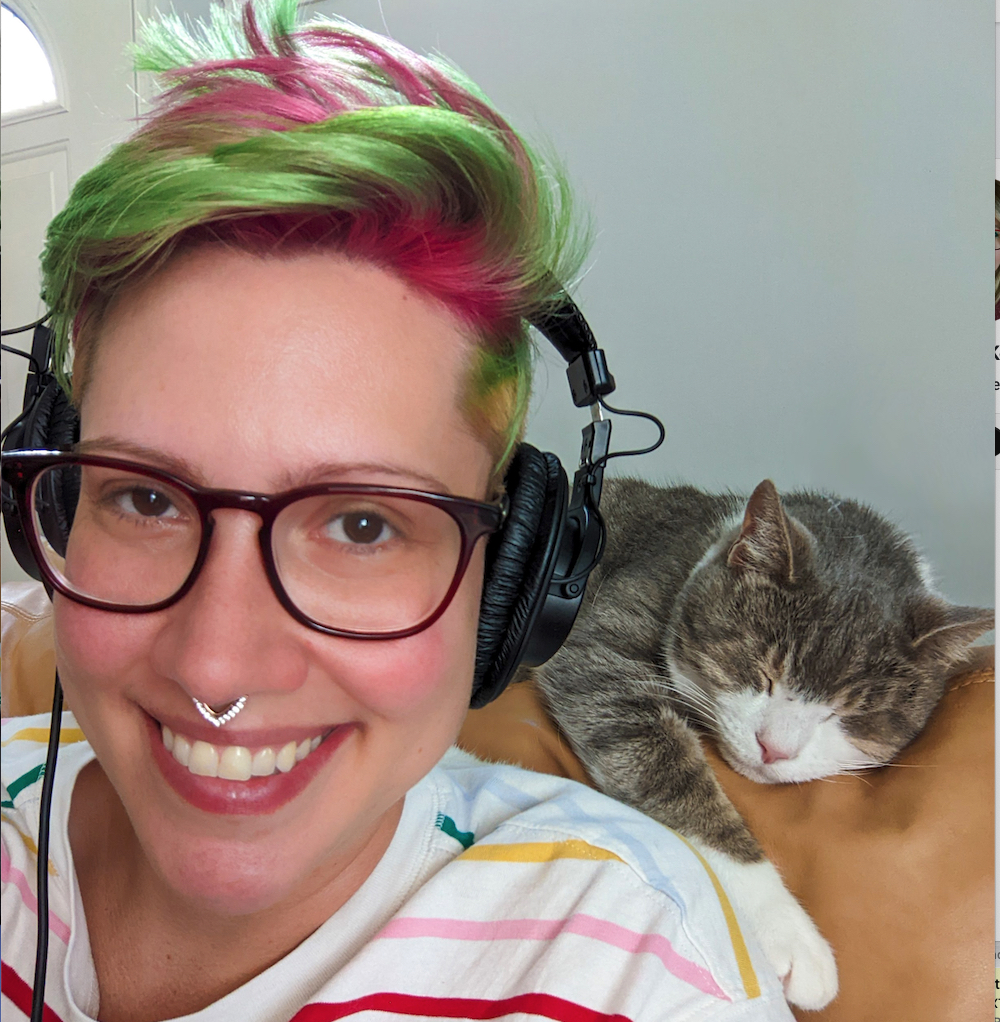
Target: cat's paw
x=789, y=939
x=801, y=957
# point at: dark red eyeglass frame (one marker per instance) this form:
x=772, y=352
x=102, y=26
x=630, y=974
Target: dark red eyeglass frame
x=474, y=519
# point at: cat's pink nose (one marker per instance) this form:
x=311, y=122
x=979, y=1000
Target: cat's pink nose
x=770, y=752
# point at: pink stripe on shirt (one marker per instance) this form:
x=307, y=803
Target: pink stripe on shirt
x=10, y=874
x=546, y=929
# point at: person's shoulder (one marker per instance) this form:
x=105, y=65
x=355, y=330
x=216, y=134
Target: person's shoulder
x=499, y=802
x=545, y=859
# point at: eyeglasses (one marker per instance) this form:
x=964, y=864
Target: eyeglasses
x=366, y=562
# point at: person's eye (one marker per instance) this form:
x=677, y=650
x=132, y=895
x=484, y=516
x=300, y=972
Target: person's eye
x=360, y=527
x=145, y=502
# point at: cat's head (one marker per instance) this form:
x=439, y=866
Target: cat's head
x=813, y=651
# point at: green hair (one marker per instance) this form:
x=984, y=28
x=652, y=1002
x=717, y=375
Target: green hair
x=275, y=136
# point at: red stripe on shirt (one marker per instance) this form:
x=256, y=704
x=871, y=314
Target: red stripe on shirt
x=545, y=1005
x=19, y=994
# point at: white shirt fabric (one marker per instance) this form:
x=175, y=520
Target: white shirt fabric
x=503, y=894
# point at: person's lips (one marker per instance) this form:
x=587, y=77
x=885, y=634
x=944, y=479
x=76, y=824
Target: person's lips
x=249, y=773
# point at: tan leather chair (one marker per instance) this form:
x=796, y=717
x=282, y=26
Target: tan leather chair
x=896, y=867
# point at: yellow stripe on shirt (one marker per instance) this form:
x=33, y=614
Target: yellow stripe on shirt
x=41, y=735
x=750, y=982
x=537, y=851
x=28, y=842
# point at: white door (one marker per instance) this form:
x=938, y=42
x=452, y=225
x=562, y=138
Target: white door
x=46, y=148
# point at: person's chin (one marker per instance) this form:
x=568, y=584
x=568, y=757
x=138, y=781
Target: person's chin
x=240, y=865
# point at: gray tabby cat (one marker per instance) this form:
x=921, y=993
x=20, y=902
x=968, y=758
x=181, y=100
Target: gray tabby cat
x=802, y=633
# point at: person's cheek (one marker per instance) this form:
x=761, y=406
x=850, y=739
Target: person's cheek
x=424, y=673
x=400, y=678
x=100, y=663
x=98, y=649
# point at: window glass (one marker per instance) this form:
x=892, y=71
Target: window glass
x=27, y=80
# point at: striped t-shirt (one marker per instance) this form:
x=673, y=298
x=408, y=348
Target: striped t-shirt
x=503, y=894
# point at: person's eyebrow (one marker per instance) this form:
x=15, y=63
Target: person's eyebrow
x=112, y=446
x=333, y=471
x=326, y=472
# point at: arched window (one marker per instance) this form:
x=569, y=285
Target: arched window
x=27, y=81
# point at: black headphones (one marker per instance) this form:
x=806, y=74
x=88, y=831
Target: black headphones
x=537, y=565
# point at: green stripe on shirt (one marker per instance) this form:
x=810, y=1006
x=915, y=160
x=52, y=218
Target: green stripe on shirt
x=447, y=825
x=16, y=787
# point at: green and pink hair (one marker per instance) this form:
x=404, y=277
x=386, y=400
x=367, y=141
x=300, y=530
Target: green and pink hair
x=276, y=138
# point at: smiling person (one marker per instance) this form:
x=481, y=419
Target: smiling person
x=297, y=303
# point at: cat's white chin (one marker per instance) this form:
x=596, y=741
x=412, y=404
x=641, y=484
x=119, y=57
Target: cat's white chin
x=783, y=772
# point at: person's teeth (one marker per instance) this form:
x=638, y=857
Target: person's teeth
x=262, y=764
x=204, y=760
x=286, y=757
x=181, y=750
x=235, y=762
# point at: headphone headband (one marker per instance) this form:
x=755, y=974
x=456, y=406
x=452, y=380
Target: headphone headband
x=570, y=334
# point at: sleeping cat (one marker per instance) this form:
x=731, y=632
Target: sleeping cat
x=802, y=633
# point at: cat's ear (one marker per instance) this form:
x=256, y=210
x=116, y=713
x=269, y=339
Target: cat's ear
x=943, y=632
x=769, y=543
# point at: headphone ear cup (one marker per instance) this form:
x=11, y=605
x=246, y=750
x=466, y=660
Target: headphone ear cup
x=51, y=423
x=519, y=563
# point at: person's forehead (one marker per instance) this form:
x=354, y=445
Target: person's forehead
x=314, y=357
x=308, y=302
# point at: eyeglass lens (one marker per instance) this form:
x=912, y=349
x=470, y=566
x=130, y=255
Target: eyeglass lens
x=356, y=562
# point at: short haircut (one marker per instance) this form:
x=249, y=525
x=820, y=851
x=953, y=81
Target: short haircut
x=276, y=137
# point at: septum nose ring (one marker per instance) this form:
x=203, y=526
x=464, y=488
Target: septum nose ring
x=218, y=718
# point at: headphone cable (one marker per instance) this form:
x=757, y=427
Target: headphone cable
x=27, y=326
x=35, y=368
x=604, y=459
x=16, y=422
x=42, y=877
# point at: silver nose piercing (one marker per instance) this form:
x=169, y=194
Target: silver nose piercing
x=218, y=718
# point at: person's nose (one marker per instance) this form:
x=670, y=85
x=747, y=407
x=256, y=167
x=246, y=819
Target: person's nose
x=229, y=636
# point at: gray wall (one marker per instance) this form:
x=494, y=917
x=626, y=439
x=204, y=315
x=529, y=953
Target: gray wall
x=792, y=262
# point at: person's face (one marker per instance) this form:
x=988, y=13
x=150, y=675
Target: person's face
x=262, y=374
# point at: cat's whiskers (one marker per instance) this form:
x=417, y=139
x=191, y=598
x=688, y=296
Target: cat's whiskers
x=858, y=772
x=697, y=700
x=594, y=593
x=702, y=705
x=690, y=693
